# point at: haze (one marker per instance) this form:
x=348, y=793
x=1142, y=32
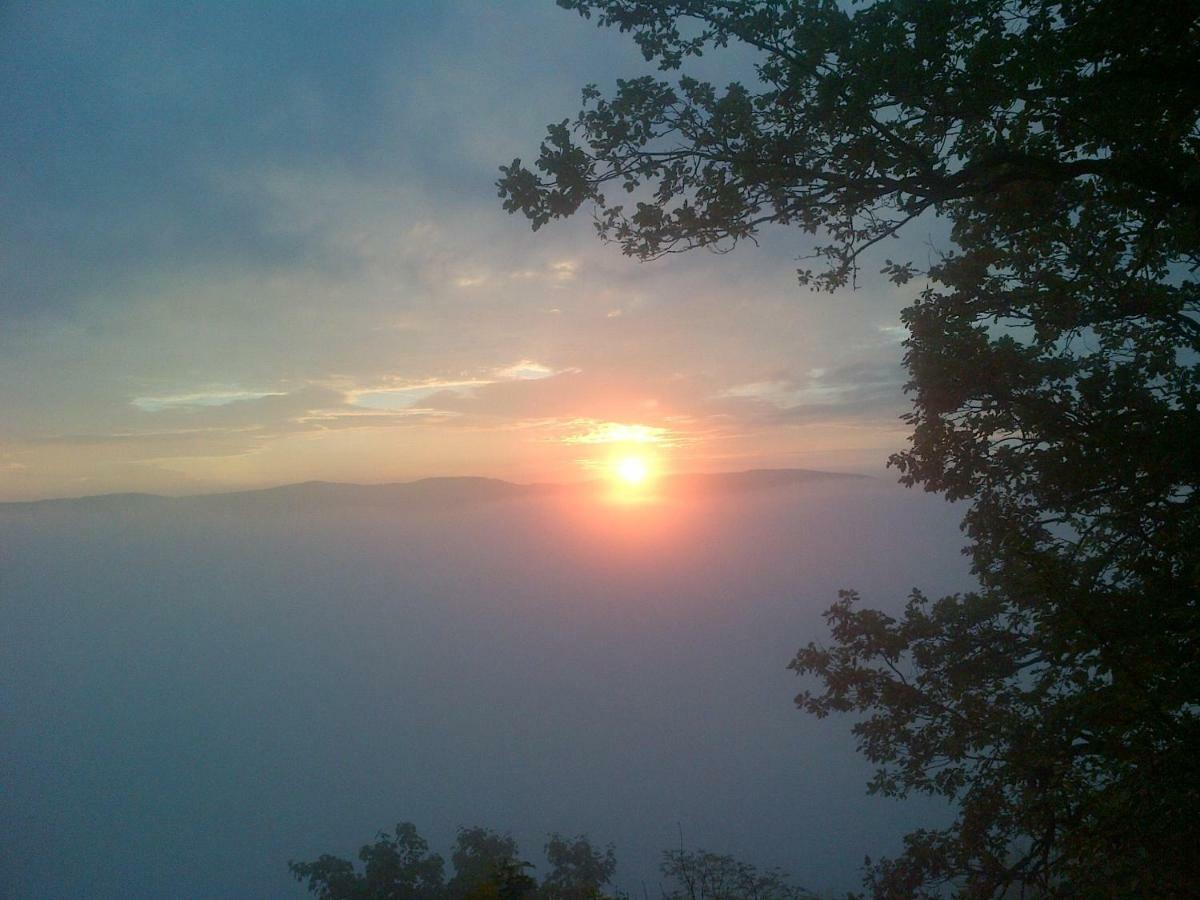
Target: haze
x=197, y=691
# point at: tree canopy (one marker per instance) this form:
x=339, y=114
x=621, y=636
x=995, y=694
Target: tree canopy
x=701, y=875
x=487, y=866
x=1052, y=353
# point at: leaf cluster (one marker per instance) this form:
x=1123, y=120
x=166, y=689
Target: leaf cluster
x=1066, y=781
x=859, y=121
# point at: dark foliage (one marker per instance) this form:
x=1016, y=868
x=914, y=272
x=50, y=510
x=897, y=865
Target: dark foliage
x=1053, y=356
x=700, y=875
x=399, y=866
x=488, y=867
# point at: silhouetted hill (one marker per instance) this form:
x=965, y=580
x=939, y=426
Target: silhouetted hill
x=752, y=479
x=425, y=492
x=99, y=502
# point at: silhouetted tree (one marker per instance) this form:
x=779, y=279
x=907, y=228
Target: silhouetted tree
x=1053, y=356
x=700, y=875
x=487, y=866
x=578, y=871
x=398, y=866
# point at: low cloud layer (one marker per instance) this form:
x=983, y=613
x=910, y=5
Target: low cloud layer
x=196, y=695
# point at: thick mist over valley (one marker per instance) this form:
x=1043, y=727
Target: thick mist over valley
x=197, y=690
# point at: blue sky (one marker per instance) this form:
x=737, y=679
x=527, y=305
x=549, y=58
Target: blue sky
x=247, y=244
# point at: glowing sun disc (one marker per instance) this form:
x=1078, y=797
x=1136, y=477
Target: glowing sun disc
x=632, y=470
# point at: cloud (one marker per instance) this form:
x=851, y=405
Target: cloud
x=571, y=393
x=597, y=407
x=525, y=370
x=325, y=420
x=864, y=390
x=552, y=274
x=593, y=432
x=224, y=423
x=405, y=394
x=215, y=397
x=266, y=410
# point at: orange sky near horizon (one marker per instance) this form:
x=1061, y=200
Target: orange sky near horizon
x=319, y=282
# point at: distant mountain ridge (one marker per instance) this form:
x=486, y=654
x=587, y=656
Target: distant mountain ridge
x=755, y=479
x=453, y=490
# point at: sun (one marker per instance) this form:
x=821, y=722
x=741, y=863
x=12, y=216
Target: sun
x=631, y=470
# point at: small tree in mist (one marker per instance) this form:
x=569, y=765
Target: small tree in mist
x=578, y=871
x=700, y=875
x=487, y=864
x=488, y=867
x=397, y=866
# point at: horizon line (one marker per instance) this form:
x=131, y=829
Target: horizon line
x=233, y=492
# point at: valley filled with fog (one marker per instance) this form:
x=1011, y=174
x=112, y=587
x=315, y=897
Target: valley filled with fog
x=196, y=691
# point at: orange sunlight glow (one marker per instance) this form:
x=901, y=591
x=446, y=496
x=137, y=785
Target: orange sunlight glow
x=632, y=478
x=632, y=470
x=630, y=461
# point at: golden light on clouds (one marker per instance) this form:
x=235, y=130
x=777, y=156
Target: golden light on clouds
x=627, y=455
x=621, y=433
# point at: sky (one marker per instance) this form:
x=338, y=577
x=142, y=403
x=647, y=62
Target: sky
x=251, y=244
